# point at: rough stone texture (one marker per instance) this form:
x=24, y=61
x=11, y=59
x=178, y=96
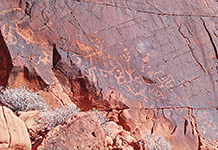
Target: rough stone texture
x=33, y=127
x=5, y=62
x=13, y=132
x=82, y=132
x=121, y=54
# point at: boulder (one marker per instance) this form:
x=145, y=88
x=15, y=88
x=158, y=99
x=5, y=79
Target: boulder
x=34, y=129
x=82, y=132
x=13, y=132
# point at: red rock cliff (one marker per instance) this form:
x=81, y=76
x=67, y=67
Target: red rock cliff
x=152, y=65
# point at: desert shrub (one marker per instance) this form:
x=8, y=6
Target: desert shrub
x=101, y=117
x=151, y=142
x=22, y=99
x=103, y=121
x=52, y=118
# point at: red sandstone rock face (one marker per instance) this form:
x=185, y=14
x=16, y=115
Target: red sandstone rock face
x=5, y=62
x=120, y=56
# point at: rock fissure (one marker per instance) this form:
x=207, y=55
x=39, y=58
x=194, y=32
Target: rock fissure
x=186, y=81
x=191, y=49
x=150, y=12
x=45, y=20
x=185, y=126
x=28, y=8
x=196, y=129
x=80, y=27
x=173, y=130
x=164, y=108
x=211, y=39
x=56, y=56
x=199, y=143
x=153, y=6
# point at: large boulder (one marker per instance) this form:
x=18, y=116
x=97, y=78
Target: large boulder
x=13, y=132
x=82, y=132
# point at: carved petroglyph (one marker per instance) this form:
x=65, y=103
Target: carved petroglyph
x=92, y=73
x=45, y=58
x=126, y=55
x=128, y=78
x=155, y=74
x=76, y=59
x=95, y=52
x=205, y=119
x=142, y=50
x=120, y=77
x=11, y=31
x=162, y=81
x=158, y=92
x=3, y=12
x=27, y=35
x=106, y=73
x=146, y=59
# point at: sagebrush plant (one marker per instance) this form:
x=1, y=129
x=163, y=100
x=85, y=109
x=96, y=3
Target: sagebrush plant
x=101, y=117
x=52, y=118
x=22, y=99
x=151, y=142
x=103, y=121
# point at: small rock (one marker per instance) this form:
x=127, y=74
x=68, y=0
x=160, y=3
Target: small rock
x=109, y=141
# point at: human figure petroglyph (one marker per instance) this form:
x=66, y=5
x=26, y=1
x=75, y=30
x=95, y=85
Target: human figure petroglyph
x=146, y=59
x=158, y=81
x=126, y=55
x=158, y=92
x=3, y=12
x=9, y=33
x=166, y=81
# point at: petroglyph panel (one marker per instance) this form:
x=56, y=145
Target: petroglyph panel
x=207, y=123
x=153, y=53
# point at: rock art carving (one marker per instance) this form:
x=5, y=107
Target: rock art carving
x=126, y=55
x=9, y=33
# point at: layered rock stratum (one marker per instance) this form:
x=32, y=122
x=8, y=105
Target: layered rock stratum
x=151, y=65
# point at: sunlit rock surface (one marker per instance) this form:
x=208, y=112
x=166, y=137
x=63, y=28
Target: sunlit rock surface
x=132, y=56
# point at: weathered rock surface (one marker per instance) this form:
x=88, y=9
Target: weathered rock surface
x=33, y=127
x=13, y=132
x=5, y=62
x=120, y=55
x=82, y=132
